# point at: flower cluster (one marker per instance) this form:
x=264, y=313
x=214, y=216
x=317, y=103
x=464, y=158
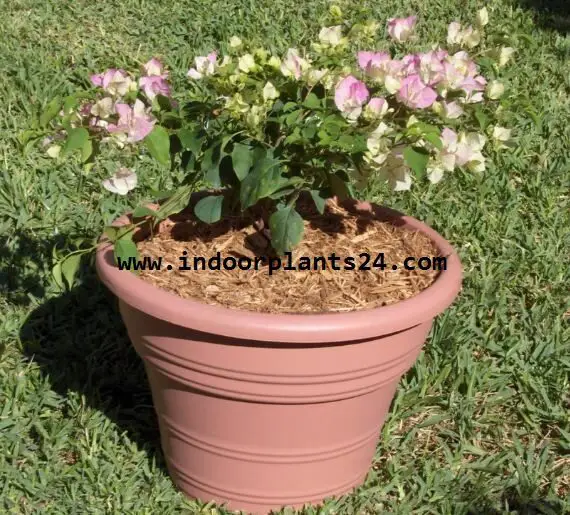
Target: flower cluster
x=321, y=121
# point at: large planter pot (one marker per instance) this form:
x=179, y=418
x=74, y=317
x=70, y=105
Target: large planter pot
x=260, y=410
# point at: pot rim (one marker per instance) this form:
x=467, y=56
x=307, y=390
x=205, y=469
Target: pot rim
x=290, y=328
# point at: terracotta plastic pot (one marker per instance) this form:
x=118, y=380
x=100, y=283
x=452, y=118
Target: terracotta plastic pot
x=263, y=410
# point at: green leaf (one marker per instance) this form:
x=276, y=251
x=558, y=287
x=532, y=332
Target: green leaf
x=209, y=209
x=160, y=195
x=143, y=211
x=191, y=140
x=282, y=193
x=286, y=226
x=293, y=137
x=50, y=112
x=346, y=141
x=69, y=268
x=76, y=140
x=87, y=151
x=70, y=103
x=482, y=118
x=434, y=139
x=177, y=202
x=210, y=166
x=264, y=179
x=292, y=118
x=58, y=276
x=158, y=144
x=126, y=248
x=320, y=198
x=163, y=103
x=416, y=160
x=309, y=132
x=312, y=101
x=242, y=159
x=289, y=106
x=111, y=232
x=426, y=128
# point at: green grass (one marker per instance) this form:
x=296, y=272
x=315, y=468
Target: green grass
x=481, y=424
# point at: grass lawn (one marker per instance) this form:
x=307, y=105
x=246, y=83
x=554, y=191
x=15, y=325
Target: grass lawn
x=481, y=425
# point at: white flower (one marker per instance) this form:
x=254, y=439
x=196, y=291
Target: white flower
x=501, y=134
x=505, y=55
x=103, y=108
x=53, y=151
x=448, y=110
x=246, y=63
x=471, y=37
x=120, y=84
x=468, y=37
x=315, y=76
x=469, y=151
x=395, y=170
x=392, y=84
x=495, y=90
x=454, y=35
x=123, y=181
x=205, y=65
x=235, y=42
x=482, y=17
x=434, y=172
x=331, y=35
x=270, y=92
x=293, y=65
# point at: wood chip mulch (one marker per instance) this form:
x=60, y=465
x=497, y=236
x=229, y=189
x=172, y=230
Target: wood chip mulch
x=340, y=231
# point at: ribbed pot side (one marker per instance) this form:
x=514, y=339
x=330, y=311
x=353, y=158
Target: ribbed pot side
x=259, y=411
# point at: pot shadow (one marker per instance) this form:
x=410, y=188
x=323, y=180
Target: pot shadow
x=81, y=345
x=20, y=258
x=516, y=504
x=549, y=14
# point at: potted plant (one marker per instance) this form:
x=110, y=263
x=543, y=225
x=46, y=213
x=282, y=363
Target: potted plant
x=268, y=400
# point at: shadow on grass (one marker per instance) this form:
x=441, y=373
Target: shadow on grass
x=513, y=504
x=81, y=345
x=550, y=14
x=20, y=258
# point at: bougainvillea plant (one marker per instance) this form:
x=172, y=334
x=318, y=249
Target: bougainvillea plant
x=250, y=126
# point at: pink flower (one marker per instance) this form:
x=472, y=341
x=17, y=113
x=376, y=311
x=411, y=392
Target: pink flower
x=154, y=85
x=134, y=122
x=375, y=64
x=154, y=81
x=415, y=94
x=350, y=95
x=410, y=64
x=97, y=80
x=400, y=29
x=368, y=60
x=155, y=67
x=471, y=84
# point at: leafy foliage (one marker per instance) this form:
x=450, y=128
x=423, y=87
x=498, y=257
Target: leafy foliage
x=320, y=121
